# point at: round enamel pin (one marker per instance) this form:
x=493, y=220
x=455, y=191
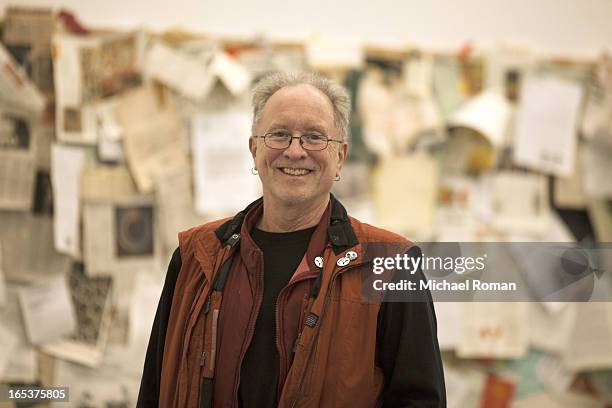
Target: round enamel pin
x=319, y=261
x=352, y=255
x=343, y=261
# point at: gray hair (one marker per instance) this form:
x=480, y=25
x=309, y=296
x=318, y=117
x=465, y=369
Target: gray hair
x=337, y=94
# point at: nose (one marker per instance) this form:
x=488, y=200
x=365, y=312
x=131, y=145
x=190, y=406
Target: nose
x=295, y=150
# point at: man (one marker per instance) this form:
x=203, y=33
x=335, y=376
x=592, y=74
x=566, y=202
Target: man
x=264, y=309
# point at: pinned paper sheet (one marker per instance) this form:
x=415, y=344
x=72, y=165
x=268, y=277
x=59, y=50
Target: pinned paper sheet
x=21, y=362
x=446, y=77
x=144, y=300
x=28, y=249
x=545, y=136
x=153, y=136
x=176, y=206
x=108, y=385
x=67, y=77
x=547, y=318
x=590, y=343
x=109, y=133
x=234, y=76
x=91, y=298
x=47, y=311
x=448, y=315
x=110, y=151
x=120, y=236
x=374, y=102
x=464, y=388
x=106, y=183
x=188, y=75
x=17, y=160
x=16, y=89
x=41, y=258
x=222, y=163
x=555, y=377
x=597, y=168
x=417, y=75
x=67, y=69
x=519, y=203
x=405, y=191
x=107, y=121
x=66, y=164
x=493, y=330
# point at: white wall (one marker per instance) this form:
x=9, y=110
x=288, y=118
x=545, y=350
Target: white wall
x=572, y=27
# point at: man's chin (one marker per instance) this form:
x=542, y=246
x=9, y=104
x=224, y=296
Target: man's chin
x=293, y=198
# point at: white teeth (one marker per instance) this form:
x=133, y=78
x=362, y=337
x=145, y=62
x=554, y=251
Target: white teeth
x=294, y=172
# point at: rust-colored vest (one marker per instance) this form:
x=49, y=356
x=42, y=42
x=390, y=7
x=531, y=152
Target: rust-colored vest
x=334, y=363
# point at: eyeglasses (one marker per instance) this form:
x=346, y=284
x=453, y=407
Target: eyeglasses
x=308, y=141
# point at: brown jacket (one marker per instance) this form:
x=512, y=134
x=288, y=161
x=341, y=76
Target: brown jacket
x=327, y=353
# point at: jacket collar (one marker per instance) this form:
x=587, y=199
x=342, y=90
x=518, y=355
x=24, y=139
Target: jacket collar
x=340, y=232
x=232, y=226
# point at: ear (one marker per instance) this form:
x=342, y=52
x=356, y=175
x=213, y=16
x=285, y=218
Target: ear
x=342, y=154
x=253, y=147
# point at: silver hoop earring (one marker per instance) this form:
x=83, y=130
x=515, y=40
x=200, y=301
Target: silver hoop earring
x=337, y=178
x=254, y=171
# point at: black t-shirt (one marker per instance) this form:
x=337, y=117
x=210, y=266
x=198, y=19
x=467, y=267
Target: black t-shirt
x=260, y=367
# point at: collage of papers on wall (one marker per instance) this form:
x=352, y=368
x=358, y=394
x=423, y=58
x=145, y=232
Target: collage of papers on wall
x=111, y=142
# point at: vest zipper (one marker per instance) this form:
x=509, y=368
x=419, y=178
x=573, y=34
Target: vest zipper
x=305, y=307
x=203, y=355
x=295, y=343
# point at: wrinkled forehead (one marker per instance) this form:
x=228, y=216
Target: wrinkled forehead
x=299, y=107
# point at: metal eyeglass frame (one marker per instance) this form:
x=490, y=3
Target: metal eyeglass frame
x=296, y=137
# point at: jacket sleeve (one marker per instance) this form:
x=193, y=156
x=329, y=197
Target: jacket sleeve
x=408, y=350
x=149, y=385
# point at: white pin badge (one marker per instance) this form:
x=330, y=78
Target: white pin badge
x=319, y=261
x=343, y=261
x=352, y=255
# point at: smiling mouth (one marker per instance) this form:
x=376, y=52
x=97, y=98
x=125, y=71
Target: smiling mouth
x=294, y=172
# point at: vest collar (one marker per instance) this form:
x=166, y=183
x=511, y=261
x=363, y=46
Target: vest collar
x=340, y=232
